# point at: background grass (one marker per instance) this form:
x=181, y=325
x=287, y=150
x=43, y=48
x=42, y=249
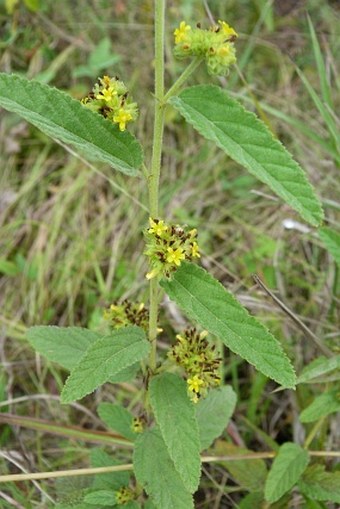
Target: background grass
x=70, y=230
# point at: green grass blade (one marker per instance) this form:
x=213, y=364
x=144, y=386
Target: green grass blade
x=320, y=64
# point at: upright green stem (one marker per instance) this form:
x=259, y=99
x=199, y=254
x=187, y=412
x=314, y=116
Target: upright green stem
x=156, y=161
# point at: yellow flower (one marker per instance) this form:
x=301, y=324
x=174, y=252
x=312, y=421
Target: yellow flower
x=157, y=227
x=227, y=30
x=152, y=274
x=181, y=32
x=195, y=251
x=121, y=118
x=194, y=384
x=223, y=51
x=175, y=256
x=106, y=94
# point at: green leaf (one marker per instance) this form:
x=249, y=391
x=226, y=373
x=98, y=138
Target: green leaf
x=288, y=466
x=323, y=405
x=251, y=500
x=156, y=472
x=175, y=416
x=149, y=505
x=213, y=414
x=331, y=241
x=32, y=5
x=205, y=300
x=318, y=484
x=101, y=497
x=111, y=480
x=126, y=374
x=64, y=118
x=319, y=368
x=8, y=268
x=117, y=418
x=249, y=474
x=247, y=140
x=64, y=345
x=105, y=358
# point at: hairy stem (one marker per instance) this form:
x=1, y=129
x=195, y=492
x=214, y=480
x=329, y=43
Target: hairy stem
x=153, y=178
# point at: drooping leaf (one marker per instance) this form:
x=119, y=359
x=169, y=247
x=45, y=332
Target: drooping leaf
x=175, y=416
x=105, y=358
x=331, y=240
x=250, y=475
x=213, y=414
x=287, y=468
x=206, y=301
x=319, y=368
x=101, y=497
x=64, y=345
x=323, y=405
x=156, y=472
x=247, y=140
x=117, y=418
x=66, y=119
x=318, y=484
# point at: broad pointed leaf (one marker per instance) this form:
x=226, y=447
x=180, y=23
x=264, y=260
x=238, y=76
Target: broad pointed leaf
x=331, y=240
x=105, y=358
x=112, y=480
x=66, y=119
x=117, y=418
x=156, y=472
x=101, y=497
x=219, y=406
x=324, y=404
x=287, y=468
x=206, y=301
x=321, y=367
x=175, y=416
x=67, y=345
x=250, y=475
x=319, y=484
x=64, y=345
x=247, y=140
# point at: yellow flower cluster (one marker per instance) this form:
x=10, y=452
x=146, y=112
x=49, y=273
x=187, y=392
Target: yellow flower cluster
x=124, y=495
x=110, y=98
x=138, y=424
x=215, y=45
x=167, y=245
x=199, y=360
x=127, y=313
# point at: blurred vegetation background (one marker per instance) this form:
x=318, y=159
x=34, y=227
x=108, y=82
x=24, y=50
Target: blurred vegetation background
x=70, y=230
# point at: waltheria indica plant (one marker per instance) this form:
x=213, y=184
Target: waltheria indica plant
x=186, y=405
